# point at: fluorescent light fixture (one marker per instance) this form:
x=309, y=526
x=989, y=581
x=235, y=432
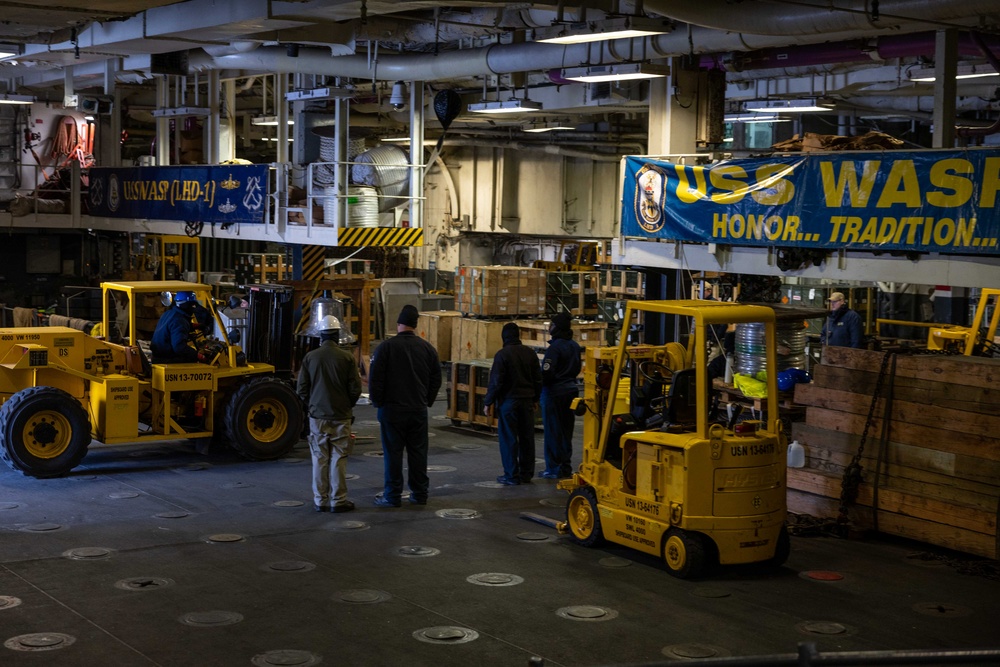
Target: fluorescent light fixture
x=615, y=72
x=789, y=106
x=619, y=27
x=274, y=138
x=928, y=75
x=8, y=98
x=326, y=93
x=268, y=120
x=547, y=127
x=513, y=105
x=174, y=112
x=406, y=140
x=89, y=119
x=755, y=118
x=7, y=51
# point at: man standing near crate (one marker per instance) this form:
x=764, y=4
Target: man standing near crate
x=515, y=386
x=330, y=385
x=560, y=368
x=403, y=382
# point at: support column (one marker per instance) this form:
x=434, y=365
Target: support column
x=227, y=122
x=110, y=146
x=945, y=87
x=281, y=109
x=162, y=124
x=212, y=124
x=416, y=153
x=673, y=112
x=341, y=121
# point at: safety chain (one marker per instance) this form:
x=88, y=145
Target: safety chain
x=852, y=473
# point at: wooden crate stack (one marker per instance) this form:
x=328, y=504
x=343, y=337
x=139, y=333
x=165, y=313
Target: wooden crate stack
x=941, y=480
x=573, y=292
x=498, y=291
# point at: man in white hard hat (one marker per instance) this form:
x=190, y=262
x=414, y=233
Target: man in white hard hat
x=330, y=385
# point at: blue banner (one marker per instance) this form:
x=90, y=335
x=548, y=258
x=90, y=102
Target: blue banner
x=929, y=201
x=225, y=194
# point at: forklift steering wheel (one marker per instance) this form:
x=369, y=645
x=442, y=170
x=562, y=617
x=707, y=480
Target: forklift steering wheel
x=647, y=368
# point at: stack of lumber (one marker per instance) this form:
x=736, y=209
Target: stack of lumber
x=940, y=483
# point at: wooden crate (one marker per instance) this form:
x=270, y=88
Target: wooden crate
x=941, y=478
x=437, y=327
x=467, y=385
x=625, y=282
x=476, y=339
x=535, y=333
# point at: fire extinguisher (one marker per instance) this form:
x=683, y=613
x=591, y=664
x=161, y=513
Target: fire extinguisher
x=200, y=403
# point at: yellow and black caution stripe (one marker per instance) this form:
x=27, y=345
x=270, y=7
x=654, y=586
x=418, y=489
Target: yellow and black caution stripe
x=313, y=257
x=380, y=236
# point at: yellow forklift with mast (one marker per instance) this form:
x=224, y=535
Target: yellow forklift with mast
x=61, y=388
x=660, y=473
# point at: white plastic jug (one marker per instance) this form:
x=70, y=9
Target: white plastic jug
x=796, y=455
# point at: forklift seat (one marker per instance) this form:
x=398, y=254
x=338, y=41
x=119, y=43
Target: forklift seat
x=682, y=399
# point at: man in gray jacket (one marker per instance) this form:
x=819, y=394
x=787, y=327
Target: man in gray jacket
x=330, y=385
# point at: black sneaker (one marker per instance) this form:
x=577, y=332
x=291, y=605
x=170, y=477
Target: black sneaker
x=417, y=501
x=345, y=506
x=507, y=481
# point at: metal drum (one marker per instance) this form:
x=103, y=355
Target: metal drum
x=751, y=351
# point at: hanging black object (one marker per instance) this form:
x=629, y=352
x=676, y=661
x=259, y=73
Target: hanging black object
x=447, y=106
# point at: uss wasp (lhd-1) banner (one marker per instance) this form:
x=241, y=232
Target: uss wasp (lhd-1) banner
x=225, y=194
x=927, y=201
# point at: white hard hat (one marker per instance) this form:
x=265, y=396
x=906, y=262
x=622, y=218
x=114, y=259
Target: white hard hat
x=329, y=323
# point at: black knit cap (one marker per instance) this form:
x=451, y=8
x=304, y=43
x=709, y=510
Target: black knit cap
x=408, y=316
x=562, y=322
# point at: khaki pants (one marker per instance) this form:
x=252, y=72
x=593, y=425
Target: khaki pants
x=330, y=444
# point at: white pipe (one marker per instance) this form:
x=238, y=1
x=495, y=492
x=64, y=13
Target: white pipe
x=817, y=17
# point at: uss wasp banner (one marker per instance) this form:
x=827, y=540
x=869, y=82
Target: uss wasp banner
x=931, y=201
x=226, y=194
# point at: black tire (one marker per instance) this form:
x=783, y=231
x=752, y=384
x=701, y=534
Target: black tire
x=684, y=553
x=263, y=418
x=782, y=548
x=44, y=432
x=582, y=518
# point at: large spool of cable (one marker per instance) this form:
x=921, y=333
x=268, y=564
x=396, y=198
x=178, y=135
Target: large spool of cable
x=751, y=350
x=362, y=206
x=386, y=168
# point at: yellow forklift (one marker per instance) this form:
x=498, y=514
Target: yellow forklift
x=661, y=473
x=61, y=388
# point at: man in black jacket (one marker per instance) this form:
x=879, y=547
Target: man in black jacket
x=404, y=381
x=560, y=366
x=515, y=386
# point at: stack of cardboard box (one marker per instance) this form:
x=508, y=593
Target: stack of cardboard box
x=498, y=291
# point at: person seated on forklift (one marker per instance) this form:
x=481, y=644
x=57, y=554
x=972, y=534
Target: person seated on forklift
x=173, y=339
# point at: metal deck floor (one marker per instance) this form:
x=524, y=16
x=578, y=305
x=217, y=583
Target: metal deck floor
x=116, y=565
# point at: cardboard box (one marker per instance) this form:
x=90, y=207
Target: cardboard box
x=438, y=328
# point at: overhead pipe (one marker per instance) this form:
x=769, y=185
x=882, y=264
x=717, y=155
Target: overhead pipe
x=965, y=131
x=818, y=17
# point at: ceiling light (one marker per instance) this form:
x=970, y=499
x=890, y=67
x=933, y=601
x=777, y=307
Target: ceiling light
x=928, y=75
x=6, y=53
x=7, y=98
x=615, y=72
x=267, y=120
x=274, y=138
x=174, y=112
x=547, y=127
x=755, y=118
x=326, y=93
x=789, y=106
x=406, y=140
x=620, y=27
x=513, y=105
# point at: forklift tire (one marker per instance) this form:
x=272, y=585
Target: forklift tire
x=583, y=519
x=781, y=549
x=684, y=553
x=44, y=431
x=263, y=418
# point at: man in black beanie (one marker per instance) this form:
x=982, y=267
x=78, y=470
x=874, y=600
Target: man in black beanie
x=515, y=386
x=403, y=382
x=560, y=366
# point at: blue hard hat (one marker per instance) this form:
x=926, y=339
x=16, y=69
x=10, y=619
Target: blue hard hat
x=786, y=380
x=181, y=298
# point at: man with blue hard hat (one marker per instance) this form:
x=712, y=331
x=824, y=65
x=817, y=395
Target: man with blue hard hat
x=172, y=339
